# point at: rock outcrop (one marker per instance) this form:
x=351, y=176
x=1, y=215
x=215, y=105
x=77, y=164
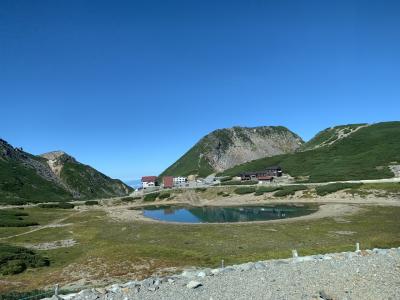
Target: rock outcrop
x=53, y=176
x=225, y=148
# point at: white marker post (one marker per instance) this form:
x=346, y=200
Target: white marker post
x=294, y=253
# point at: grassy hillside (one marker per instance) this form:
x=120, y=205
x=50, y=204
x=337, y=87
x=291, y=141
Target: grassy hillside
x=20, y=184
x=90, y=183
x=328, y=135
x=190, y=163
x=26, y=178
x=365, y=154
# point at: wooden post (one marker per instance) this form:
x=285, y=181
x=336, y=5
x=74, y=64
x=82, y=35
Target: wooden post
x=56, y=288
x=294, y=253
x=222, y=264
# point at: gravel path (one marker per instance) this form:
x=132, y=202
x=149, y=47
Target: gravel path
x=370, y=274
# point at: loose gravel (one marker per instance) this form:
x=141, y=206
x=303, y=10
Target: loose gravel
x=369, y=274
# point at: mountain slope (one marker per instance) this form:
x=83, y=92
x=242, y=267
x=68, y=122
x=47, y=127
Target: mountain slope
x=82, y=180
x=225, y=148
x=331, y=135
x=52, y=177
x=367, y=153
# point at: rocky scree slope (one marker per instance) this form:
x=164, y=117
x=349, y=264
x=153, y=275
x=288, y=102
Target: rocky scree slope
x=366, y=274
x=331, y=135
x=225, y=148
x=54, y=176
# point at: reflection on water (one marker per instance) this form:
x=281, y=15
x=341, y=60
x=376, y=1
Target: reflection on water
x=226, y=214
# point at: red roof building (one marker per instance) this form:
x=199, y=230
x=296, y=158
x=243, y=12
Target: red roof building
x=149, y=181
x=168, y=182
x=149, y=178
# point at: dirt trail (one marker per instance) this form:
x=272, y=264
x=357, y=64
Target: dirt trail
x=50, y=225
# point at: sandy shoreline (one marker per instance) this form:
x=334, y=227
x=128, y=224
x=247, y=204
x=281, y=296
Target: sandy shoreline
x=336, y=205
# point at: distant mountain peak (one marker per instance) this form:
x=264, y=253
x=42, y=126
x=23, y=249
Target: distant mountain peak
x=224, y=148
x=51, y=176
x=53, y=155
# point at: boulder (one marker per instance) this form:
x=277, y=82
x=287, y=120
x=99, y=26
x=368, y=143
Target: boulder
x=193, y=284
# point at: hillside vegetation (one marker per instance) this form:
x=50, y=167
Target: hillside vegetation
x=364, y=154
x=53, y=177
x=225, y=148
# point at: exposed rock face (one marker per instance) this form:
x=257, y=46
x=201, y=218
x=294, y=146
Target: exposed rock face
x=53, y=176
x=82, y=180
x=56, y=160
x=246, y=144
x=225, y=148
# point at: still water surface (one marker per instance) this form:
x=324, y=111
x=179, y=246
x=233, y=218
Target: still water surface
x=212, y=214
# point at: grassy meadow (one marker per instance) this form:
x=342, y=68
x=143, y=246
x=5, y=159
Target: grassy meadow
x=114, y=250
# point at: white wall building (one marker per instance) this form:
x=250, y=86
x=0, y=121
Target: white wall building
x=149, y=181
x=179, y=180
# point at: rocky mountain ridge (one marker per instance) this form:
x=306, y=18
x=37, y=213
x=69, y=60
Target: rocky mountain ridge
x=52, y=176
x=225, y=148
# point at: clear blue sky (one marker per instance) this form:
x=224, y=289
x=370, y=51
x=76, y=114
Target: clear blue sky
x=129, y=86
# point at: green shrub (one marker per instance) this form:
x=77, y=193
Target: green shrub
x=200, y=190
x=334, y=187
x=246, y=182
x=244, y=190
x=164, y=195
x=63, y=205
x=151, y=197
x=14, y=260
x=91, y=202
x=129, y=199
x=14, y=218
x=224, y=179
x=289, y=190
x=266, y=189
x=223, y=194
x=13, y=267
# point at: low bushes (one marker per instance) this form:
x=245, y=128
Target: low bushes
x=223, y=194
x=246, y=182
x=244, y=190
x=15, y=260
x=164, y=195
x=129, y=199
x=334, y=187
x=91, y=202
x=200, y=190
x=151, y=197
x=63, y=205
x=14, y=218
x=289, y=190
x=266, y=189
x=224, y=179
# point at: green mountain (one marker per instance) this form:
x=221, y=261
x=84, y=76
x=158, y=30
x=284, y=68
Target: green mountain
x=346, y=152
x=225, y=148
x=54, y=176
